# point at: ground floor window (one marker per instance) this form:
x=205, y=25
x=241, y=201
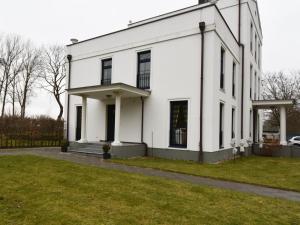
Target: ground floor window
x=178, y=124
x=221, y=126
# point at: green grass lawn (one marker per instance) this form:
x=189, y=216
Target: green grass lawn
x=274, y=172
x=43, y=191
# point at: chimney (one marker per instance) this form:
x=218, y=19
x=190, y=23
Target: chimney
x=74, y=40
x=203, y=1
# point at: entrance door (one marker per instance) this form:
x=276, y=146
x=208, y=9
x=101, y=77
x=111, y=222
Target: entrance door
x=78, y=122
x=110, y=127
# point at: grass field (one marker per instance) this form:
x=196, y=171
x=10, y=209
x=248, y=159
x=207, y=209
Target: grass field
x=274, y=172
x=43, y=191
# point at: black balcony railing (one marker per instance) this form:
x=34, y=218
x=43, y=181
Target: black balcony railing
x=143, y=81
x=106, y=81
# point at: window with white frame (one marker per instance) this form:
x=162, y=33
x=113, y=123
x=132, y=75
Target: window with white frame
x=222, y=69
x=221, y=126
x=233, y=78
x=178, y=124
x=233, y=122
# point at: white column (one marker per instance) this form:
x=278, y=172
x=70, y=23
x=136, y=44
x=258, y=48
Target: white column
x=117, y=120
x=83, y=121
x=283, y=126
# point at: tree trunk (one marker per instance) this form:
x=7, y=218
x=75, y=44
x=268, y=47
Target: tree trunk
x=61, y=108
x=4, y=99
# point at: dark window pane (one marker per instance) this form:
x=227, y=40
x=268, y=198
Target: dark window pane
x=221, y=128
x=222, y=68
x=144, y=69
x=106, y=72
x=178, y=124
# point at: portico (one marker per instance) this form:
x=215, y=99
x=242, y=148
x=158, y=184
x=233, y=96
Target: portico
x=115, y=92
x=282, y=105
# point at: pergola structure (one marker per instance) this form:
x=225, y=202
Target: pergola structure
x=282, y=105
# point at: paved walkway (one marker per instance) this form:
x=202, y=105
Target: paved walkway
x=94, y=161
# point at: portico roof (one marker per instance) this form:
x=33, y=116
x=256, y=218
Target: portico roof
x=269, y=104
x=109, y=91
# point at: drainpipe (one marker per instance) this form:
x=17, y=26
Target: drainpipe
x=202, y=29
x=243, y=69
x=142, y=121
x=142, y=127
x=69, y=57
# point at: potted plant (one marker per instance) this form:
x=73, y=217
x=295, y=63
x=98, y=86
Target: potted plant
x=106, y=149
x=64, y=145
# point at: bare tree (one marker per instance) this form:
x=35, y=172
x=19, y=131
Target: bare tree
x=282, y=86
x=55, y=74
x=10, y=50
x=32, y=68
x=17, y=67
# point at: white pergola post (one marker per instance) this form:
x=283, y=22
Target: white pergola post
x=117, y=120
x=283, y=126
x=83, y=121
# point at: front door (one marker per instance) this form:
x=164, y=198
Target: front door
x=110, y=127
x=78, y=122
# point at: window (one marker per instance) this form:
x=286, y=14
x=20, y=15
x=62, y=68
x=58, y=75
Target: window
x=255, y=47
x=233, y=123
x=250, y=125
x=178, y=124
x=251, y=74
x=221, y=127
x=251, y=38
x=233, y=78
x=106, y=72
x=258, y=89
x=255, y=86
x=222, y=68
x=259, y=56
x=144, y=68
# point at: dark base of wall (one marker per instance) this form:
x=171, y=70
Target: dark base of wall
x=283, y=151
x=128, y=151
x=208, y=157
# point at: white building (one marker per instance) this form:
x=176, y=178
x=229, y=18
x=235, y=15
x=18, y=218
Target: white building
x=183, y=82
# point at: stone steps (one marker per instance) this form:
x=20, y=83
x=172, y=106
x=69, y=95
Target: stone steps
x=93, y=149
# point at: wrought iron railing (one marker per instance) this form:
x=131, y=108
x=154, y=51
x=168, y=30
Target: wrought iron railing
x=143, y=81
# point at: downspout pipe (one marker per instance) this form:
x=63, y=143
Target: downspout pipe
x=202, y=26
x=142, y=127
x=243, y=68
x=69, y=57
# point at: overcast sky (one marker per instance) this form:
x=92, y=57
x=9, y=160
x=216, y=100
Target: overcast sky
x=56, y=21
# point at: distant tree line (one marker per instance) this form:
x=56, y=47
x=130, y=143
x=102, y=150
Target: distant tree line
x=283, y=86
x=24, y=68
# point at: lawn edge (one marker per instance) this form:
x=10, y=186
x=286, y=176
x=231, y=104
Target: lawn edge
x=213, y=178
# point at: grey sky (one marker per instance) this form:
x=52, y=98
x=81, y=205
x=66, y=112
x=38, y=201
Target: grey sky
x=56, y=21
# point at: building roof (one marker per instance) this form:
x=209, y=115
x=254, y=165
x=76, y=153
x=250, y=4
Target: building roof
x=154, y=19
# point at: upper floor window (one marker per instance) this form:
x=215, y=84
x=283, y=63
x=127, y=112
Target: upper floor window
x=255, y=86
x=106, y=72
x=255, y=48
x=251, y=81
x=258, y=93
x=251, y=38
x=144, y=69
x=222, y=71
x=259, y=56
x=233, y=78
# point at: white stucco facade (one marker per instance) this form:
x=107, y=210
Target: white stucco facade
x=174, y=40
